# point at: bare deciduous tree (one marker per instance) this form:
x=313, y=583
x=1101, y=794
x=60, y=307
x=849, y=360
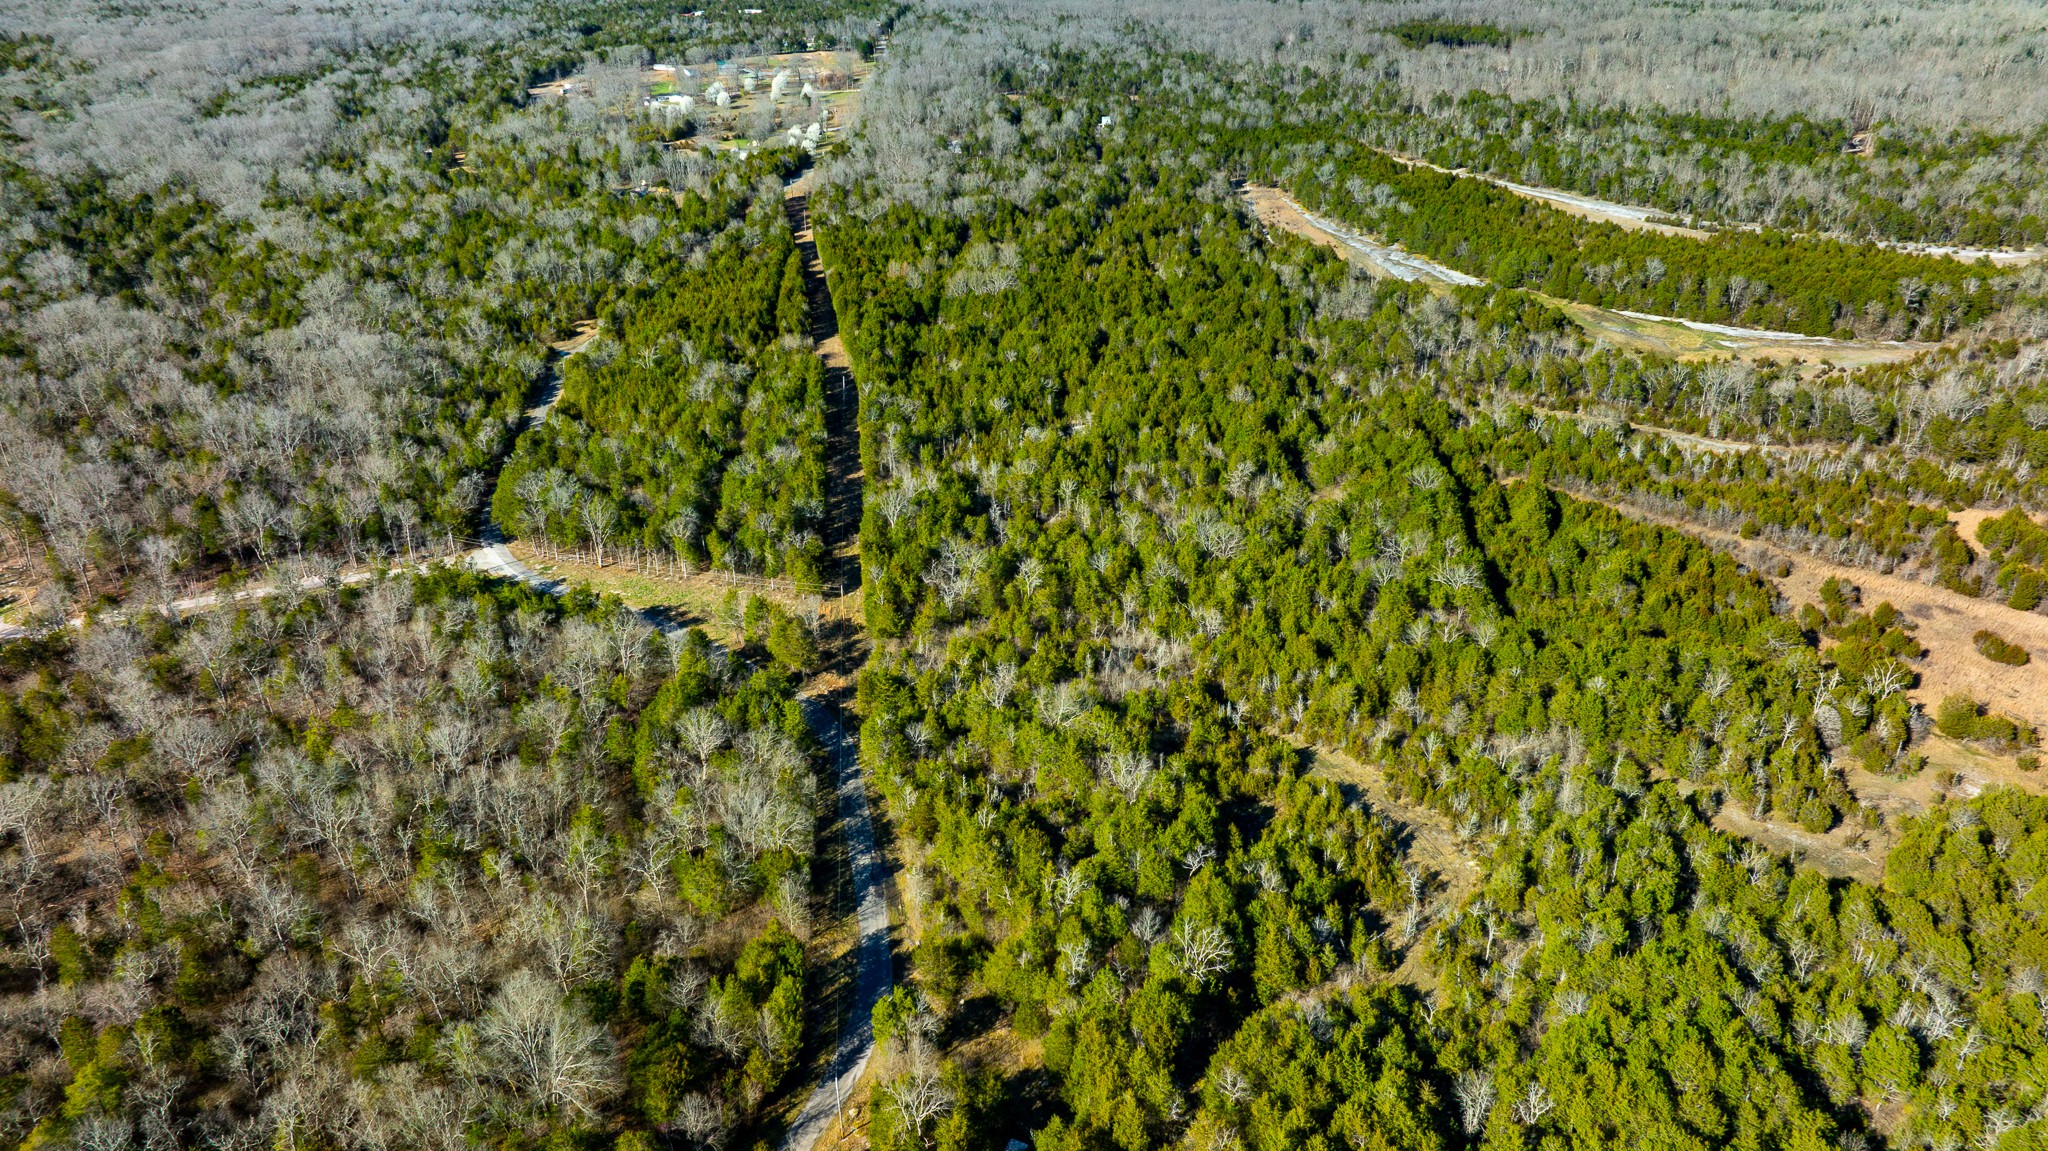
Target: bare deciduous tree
x=544, y=1049
x=920, y=1099
x=1204, y=950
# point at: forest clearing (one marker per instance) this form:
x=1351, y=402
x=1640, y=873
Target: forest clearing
x=1635, y=216
x=1679, y=339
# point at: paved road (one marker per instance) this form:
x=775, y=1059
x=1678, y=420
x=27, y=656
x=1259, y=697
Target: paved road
x=497, y=559
x=872, y=965
x=873, y=969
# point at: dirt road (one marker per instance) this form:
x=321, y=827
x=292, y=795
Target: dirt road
x=872, y=958
x=1276, y=208
x=1662, y=335
x=1688, y=439
x=842, y=397
x=1636, y=217
x=550, y=388
x=1944, y=623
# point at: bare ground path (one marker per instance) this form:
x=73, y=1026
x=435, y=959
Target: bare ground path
x=1682, y=339
x=1945, y=622
x=1428, y=842
x=872, y=962
x=850, y=999
x=1690, y=439
x=495, y=558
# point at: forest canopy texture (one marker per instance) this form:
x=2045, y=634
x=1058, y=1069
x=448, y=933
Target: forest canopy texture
x=1301, y=708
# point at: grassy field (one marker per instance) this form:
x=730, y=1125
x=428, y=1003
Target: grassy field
x=707, y=601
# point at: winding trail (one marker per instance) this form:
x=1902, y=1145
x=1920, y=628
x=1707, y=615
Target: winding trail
x=494, y=558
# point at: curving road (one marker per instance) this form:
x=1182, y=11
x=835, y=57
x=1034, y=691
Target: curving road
x=494, y=558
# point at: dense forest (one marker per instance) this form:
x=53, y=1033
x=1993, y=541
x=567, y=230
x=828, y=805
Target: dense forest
x=396, y=859
x=697, y=428
x=325, y=348
x=1922, y=124
x=407, y=864
x=1163, y=511
x=1302, y=709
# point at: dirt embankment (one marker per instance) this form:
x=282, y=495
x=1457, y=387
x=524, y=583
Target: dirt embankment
x=1679, y=339
x=1636, y=217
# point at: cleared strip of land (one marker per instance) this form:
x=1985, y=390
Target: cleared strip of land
x=1945, y=622
x=1636, y=217
x=1662, y=335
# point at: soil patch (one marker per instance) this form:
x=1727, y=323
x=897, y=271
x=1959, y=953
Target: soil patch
x=1944, y=622
x=1428, y=842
